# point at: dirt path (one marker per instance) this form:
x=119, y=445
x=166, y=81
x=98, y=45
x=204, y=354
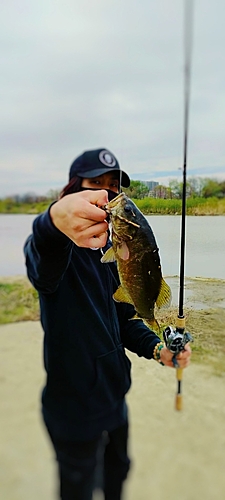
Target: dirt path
x=176, y=455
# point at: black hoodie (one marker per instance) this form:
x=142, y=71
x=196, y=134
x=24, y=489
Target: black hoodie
x=85, y=333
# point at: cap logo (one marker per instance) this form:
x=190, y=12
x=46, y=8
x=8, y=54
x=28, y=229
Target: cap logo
x=107, y=158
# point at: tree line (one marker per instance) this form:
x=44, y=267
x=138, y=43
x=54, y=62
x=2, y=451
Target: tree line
x=197, y=187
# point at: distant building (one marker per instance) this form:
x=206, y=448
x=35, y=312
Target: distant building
x=150, y=184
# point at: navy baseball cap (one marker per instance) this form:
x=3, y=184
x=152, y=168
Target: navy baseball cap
x=97, y=162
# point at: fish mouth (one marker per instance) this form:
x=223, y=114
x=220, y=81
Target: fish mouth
x=121, y=198
x=113, y=203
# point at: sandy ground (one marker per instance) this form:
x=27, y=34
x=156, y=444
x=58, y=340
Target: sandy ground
x=176, y=455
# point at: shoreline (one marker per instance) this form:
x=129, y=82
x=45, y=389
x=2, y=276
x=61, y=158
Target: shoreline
x=200, y=278
x=204, y=309
x=199, y=292
x=147, y=213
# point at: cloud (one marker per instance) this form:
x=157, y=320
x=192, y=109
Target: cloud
x=81, y=75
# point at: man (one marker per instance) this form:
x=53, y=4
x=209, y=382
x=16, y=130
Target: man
x=86, y=331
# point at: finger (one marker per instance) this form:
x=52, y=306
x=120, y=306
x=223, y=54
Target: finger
x=97, y=197
x=169, y=364
x=98, y=241
x=90, y=213
x=95, y=230
x=184, y=354
x=86, y=205
x=94, y=242
x=95, y=236
x=184, y=363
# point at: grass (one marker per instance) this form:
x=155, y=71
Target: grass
x=207, y=329
x=194, y=206
x=19, y=302
x=10, y=207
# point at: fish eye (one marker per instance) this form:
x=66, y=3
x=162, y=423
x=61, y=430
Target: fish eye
x=127, y=209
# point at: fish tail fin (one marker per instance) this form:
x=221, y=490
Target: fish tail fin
x=150, y=323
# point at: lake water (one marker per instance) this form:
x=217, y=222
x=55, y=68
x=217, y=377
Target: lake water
x=205, y=244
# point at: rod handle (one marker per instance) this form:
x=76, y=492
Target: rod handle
x=179, y=402
x=179, y=374
x=179, y=397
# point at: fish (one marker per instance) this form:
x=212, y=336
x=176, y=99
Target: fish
x=136, y=253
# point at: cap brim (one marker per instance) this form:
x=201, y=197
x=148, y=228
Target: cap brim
x=125, y=179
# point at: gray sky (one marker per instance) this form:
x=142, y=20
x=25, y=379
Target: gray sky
x=84, y=74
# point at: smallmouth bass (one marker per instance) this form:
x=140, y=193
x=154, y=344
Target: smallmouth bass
x=135, y=249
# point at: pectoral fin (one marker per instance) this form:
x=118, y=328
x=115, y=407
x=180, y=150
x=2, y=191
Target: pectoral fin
x=165, y=295
x=121, y=295
x=123, y=251
x=109, y=256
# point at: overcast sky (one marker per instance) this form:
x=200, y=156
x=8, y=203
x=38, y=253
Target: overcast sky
x=85, y=74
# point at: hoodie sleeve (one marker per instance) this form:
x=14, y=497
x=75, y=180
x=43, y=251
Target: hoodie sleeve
x=47, y=253
x=135, y=335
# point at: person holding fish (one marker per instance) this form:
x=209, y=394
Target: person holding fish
x=97, y=298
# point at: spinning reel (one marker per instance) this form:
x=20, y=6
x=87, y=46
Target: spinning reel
x=175, y=341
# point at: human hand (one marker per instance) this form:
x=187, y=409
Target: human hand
x=183, y=357
x=79, y=217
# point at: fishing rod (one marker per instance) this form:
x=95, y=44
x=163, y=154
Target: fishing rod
x=176, y=340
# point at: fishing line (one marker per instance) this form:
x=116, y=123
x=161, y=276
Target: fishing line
x=120, y=181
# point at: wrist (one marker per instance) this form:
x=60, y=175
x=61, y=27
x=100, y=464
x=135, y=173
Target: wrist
x=157, y=352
